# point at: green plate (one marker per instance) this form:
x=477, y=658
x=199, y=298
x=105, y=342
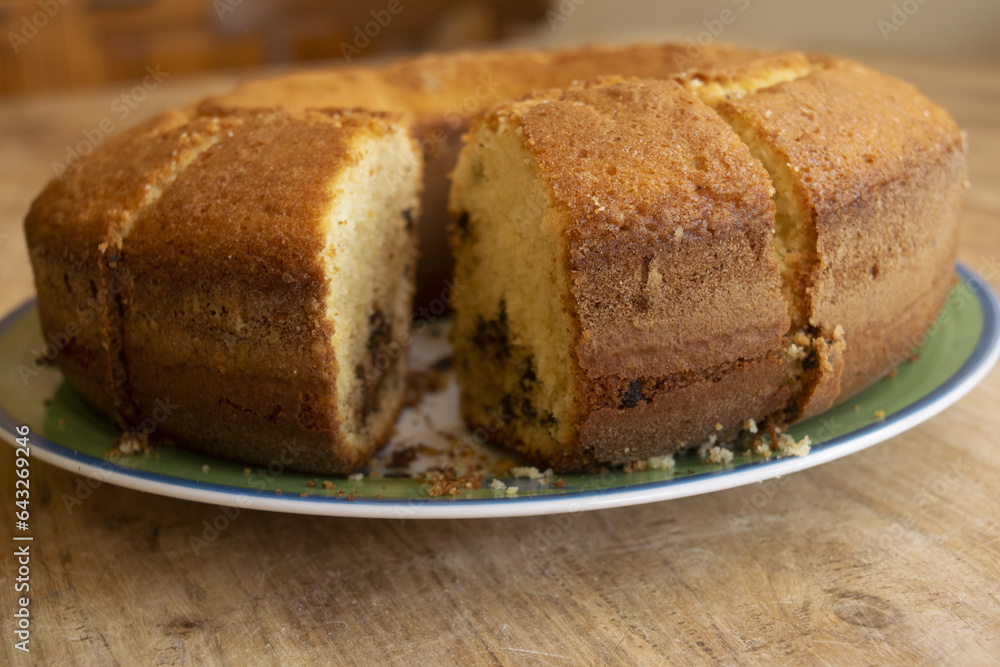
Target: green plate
x=958, y=352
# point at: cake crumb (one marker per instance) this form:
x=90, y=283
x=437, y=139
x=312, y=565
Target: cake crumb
x=205, y=468
x=634, y=466
x=511, y=491
x=128, y=444
x=750, y=425
x=719, y=455
x=560, y=483
x=327, y=484
x=448, y=482
x=356, y=477
x=705, y=446
x=531, y=472
x=880, y=414
x=497, y=485
x=794, y=353
x=310, y=483
x=247, y=472
x=665, y=462
x=718, y=426
x=761, y=448
x=790, y=447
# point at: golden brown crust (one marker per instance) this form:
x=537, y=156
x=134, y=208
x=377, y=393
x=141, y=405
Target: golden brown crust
x=73, y=232
x=685, y=414
x=659, y=193
x=457, y=86
x=188, y=255
x=873, y=162
x=441, y=93
x=225, y=311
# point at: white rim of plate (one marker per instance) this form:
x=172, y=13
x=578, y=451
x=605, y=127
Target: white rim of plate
x=982, y=359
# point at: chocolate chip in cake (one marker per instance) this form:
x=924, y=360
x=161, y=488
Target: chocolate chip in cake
x=372, y=375
x=633, y=396
x=443, y=364
x=462, y=224
x=379, y=330
x=528, y=374
x=491, y=336
x=549, y=421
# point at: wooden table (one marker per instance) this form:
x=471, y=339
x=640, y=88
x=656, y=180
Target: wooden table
x=890, y=555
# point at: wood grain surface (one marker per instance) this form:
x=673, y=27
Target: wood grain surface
x=891, y=555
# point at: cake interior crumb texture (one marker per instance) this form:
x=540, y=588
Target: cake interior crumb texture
x=512, y=326
x=369, y=262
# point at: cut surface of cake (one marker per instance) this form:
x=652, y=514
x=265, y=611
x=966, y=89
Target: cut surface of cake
x=263, y=286
x=652, y=265
x=614, y=246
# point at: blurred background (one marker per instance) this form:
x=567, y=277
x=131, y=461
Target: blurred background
x=72, y=44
